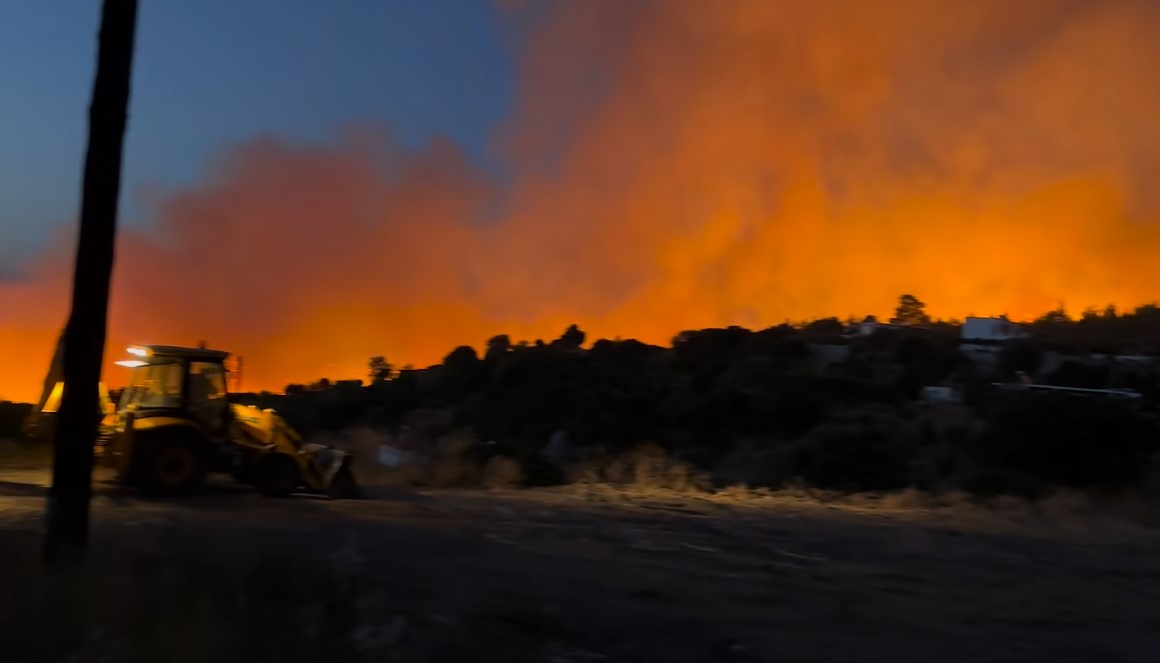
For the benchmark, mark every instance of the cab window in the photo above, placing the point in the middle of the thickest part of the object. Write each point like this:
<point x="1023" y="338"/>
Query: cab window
<point x="207" y="381"/>
<point x="155" y="385"/>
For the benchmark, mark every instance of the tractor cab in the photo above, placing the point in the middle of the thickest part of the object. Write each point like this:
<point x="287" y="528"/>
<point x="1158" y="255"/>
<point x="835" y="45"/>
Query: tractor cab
<point x="171" y="424"/>
<point x="171" y="381"/>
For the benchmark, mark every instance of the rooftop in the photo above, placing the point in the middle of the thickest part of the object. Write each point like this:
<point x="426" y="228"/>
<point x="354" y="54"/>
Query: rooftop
<point x="147" y="351"/>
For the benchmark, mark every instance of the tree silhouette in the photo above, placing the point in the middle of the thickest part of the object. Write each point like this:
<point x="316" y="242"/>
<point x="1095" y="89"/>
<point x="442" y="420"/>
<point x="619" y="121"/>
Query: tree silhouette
<point x="462" y="371"/>
<point x="462" y="358"/>
<point x="911" y="311"/>
<point x="67" y="509"/>
<point x="572" y="338"/>
<point x="824" y="328"/>
<point x="498" y="346"/>
<point x="1056" y="316"/>
<point x="380" y="369"/>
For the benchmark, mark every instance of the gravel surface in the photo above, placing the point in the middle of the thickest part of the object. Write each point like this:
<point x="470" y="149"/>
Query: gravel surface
<point x="597" y="574"/>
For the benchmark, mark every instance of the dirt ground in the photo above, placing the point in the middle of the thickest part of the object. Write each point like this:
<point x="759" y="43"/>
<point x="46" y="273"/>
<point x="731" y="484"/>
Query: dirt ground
<point x="597" y="574"/>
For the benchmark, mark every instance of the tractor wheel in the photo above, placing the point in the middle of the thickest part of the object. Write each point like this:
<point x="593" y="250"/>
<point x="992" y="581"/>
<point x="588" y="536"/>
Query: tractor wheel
<point x="276" y="475"/>
<point x="171" y="464"/>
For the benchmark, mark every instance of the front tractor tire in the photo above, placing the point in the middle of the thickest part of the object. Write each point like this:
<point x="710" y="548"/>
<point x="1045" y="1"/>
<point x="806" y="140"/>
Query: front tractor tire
<point x="171" y="463"/>
<point x="276" y="475"/>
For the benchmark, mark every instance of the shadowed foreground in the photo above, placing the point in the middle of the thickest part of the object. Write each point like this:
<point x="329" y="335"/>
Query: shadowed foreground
<point x="585" y="574"/>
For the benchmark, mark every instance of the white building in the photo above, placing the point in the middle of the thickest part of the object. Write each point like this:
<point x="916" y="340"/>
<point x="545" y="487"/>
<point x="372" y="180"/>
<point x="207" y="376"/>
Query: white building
<point x="976" y="330"/>
<point x="941" y="394"/>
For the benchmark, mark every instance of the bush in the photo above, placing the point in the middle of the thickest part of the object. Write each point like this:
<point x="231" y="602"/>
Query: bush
<point x="865" y="451"/>
<point x="646" y="466"/>
<point x="502" y="472"/>
<point x="990" y="482"/>
<point x="454" y="464"/>
<point x="12" y="417"/>
<point x="1071" y="441"/>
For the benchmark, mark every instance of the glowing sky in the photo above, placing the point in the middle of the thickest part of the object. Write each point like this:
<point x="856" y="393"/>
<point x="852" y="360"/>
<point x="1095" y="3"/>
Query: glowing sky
<point x="400" y="187"/>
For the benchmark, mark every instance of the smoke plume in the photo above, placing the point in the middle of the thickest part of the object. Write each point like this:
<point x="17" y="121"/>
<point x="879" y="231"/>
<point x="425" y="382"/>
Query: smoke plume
<point x="671" y="165"/>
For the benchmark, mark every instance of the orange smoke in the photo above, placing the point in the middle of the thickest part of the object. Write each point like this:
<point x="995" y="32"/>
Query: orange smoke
<point x="674" y="164"/>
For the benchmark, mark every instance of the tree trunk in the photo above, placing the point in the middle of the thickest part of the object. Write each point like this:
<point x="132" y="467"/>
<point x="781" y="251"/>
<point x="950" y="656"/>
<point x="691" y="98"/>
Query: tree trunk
<point x="67" y="510"/>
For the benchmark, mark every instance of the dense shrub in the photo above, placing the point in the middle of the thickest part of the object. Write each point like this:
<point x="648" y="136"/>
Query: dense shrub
<point x="1073" y="373"/>
<point x="1019" y="356"/>
<point x="994" y="482"/>
<point x="869" y="450"/>
<point x="714" y="387"/>
<point x="1068" y="440"/>
<point x="12" y="417"/>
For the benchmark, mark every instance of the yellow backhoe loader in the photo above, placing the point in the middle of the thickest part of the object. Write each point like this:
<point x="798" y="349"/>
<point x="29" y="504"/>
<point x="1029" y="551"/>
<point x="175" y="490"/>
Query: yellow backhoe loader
<point x="175" y="423"/>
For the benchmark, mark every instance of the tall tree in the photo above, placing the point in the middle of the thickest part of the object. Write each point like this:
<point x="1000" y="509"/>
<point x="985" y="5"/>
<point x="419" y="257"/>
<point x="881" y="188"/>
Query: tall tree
<point x="67" y="509"/>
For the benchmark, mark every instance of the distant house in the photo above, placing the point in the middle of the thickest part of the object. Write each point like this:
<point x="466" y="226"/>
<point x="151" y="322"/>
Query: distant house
<point x="867" y="327"/>
<point x="990" y="330"/>
<point x="1117" y="365"/>
<point x="1129" y="394"/>
<point x="828" y="354"/>
<point x="933" y="394"/>
<point x="1126" y="360"/>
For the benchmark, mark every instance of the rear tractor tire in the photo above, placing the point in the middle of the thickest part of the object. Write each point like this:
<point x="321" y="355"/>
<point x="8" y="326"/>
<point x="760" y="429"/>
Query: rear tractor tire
<point x="276" y="475"/>
<point x="172" y="464"/>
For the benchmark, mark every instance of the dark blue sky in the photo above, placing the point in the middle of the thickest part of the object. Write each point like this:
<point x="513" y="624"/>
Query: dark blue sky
<point x="209" y="73"/>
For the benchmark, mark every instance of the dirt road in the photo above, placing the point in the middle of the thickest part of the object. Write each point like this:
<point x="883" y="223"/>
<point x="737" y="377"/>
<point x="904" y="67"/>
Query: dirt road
<point x="594" y="574"/>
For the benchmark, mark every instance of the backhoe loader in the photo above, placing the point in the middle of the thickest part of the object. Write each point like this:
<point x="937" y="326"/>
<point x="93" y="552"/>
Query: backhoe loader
<point x="175" y="423"/>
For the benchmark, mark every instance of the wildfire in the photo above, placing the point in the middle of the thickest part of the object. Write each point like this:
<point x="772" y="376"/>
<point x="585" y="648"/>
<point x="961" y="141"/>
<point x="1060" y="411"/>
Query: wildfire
<point x="733" y="163"/>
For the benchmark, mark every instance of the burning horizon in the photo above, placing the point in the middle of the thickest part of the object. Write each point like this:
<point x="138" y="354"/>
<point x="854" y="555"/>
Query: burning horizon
<point x="670" y="165"/>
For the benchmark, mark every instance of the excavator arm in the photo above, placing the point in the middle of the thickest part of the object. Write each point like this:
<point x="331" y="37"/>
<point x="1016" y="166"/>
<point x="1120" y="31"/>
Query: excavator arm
<point x="39" y="423"/>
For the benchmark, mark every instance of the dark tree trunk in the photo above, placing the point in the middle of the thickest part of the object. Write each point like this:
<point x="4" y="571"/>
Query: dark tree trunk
<point x="67" y="513"/>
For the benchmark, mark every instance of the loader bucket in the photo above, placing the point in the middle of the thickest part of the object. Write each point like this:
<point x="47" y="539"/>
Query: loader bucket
<point x="333" y="466"/>
<point x="343" y="485"/>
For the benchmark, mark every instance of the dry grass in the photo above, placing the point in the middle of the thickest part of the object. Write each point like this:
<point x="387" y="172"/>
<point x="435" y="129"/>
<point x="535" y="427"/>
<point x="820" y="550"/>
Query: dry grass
<point x="651" y="571"/>
<point x="646" y="467"/>
<point x="446" y="462"/>
<point x="1070" y="509"/>
<point x="502" y="473"/>
<point x="648" y="471"/>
